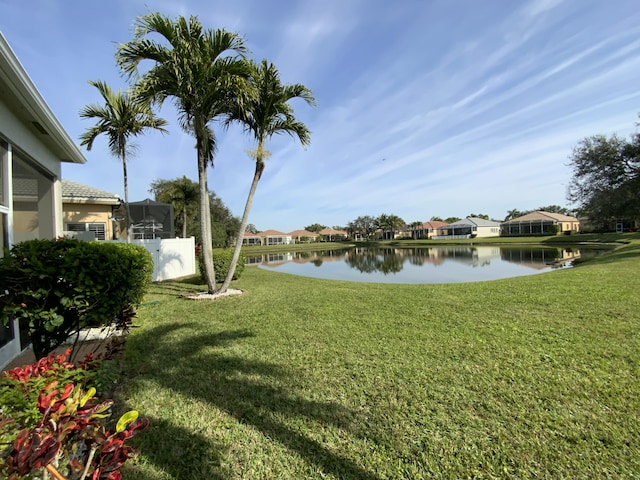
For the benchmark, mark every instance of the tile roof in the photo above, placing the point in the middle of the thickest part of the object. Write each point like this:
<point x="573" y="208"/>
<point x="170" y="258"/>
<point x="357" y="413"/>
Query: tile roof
<point x="478" y="222"/>
<point x="433" y="224"/>
<point x="542" y="215"/>
<point x="272" y="233"/>
<point x="332" y="231"/>
<point x="303" y="233"/>
<point x="74" y="190"/>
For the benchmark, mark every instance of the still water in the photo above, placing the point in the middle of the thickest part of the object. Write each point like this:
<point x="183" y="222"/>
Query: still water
<point x="422" y="265"/>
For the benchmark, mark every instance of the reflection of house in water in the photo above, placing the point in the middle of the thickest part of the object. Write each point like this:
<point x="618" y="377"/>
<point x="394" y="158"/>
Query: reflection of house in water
<point x="280" y="258"/>
<point x="474" y="256"/>
<point x="538" y="258"/>
<point x="275" y="259"/>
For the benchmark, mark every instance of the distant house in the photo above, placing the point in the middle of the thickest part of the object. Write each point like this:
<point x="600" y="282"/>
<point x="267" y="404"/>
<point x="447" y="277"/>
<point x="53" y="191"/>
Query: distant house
<point x="251" y="239"/>
<point x="274" y="237"/>
<point x="91" y="213"/>
<point x="333" y="235"/>
<point x="33" y="145"/>
<point x="470" y="227"/>
<point x="303" y="236"/>
<point x="427" y="230"/>
<point x="540" y="223"/>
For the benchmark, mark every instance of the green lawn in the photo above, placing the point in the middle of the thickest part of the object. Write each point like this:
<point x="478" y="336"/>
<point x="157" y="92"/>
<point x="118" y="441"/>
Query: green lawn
<point x="531" y="377"/>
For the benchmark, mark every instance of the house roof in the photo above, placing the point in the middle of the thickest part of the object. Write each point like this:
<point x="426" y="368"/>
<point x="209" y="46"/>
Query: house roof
<point x="303" y="233"/>
<point x="542" y="215"/>
<point x="74" y="192"/>
<point x="272" y="233"/>
<point x="332" y="231"/>
<point x="20" y="94"/>
<point x="433" y="224"/>
<point x="474" y="221"/>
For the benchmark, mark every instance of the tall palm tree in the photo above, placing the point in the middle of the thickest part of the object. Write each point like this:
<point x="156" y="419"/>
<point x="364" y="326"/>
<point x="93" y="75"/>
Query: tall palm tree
<point x="120" y="118"/>
<point x="203" y="71"/>
<point x="265" y="114"/>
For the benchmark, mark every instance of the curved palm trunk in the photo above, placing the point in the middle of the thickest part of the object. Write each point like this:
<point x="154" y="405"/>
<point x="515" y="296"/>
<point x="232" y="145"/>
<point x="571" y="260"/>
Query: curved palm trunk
<point x="205" y="219"/>
<point x="243" y="223"/>
<point x="126" y="198"/>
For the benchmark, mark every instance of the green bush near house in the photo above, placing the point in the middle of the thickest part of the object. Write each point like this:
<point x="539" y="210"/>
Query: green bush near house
<point x="221" y="263"/>
<point x="61" y="286"/>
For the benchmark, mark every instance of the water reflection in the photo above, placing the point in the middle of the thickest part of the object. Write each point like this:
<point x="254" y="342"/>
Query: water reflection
<point x="411" y="265"/>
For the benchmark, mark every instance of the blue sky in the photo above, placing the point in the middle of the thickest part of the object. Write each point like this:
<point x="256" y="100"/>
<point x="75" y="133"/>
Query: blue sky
<point x="425" y="107"/>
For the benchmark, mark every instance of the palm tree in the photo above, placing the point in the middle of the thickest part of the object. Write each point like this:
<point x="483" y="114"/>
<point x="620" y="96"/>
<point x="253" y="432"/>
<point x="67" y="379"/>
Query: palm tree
<point x="193" y="66"/>
<point x="264" y="115"/>
<point x="120" y="118"/>
<point x="182" y="193"/>
<point x="513" y="213"/>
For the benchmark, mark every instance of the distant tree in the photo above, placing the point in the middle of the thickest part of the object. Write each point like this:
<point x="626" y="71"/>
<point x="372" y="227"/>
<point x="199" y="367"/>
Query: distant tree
<point x="478" y="215"/>
<point x="315" y="227"/>
<point x="183" y="194"/>
<point x="511" y="214"/>
<point x="389" y="223"/>
<point x="451" y="219"/>
<point x="606" y="178"/>
<point x="416" y="224"/>
<point x="120" y="118"/>
<point x="556" y="209"/>
<point x="224" y="225"/>
<point x="363" y="225"/>
<point x="338" y="227"/>
<point x="436" y="219"/>
<point x="251" y="228"/>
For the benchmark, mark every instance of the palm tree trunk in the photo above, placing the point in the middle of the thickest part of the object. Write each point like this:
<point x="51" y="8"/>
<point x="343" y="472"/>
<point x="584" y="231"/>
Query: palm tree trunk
<point x="126" y="197"/>
<point x="205" y="219"/>
<point x="184" y="222"/>
<point x="243" y="223"/>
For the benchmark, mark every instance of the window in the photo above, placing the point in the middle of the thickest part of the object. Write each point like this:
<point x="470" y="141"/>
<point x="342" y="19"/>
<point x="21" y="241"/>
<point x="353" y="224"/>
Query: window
<point x="98" y="229"/>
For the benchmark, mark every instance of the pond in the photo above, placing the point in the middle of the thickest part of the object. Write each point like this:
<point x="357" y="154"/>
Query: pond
<point x="445" y="264"/>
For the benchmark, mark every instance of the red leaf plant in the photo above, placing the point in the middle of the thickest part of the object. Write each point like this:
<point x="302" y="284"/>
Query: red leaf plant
<point x="70" y="438"/>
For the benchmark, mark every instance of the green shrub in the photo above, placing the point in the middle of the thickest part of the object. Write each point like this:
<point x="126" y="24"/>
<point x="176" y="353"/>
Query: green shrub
<point x="59" y="287"/>
<point x="221" y="263"/>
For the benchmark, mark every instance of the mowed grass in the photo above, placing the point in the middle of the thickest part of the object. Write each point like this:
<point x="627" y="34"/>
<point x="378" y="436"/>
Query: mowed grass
<point x="298" y="378"/>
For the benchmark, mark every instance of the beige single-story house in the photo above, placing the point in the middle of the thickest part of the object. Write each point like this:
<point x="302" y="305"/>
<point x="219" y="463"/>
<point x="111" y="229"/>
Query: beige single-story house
<point x="251" y="239"/>
<point x="540" y="223"/>
<point x="333" y="235"/>
<point x="303" y="236"/>
<point x="33" y="145"/>
<point x="274" y="237"/>
<point x="92" y="213"/>
<point x="427" y="230"/>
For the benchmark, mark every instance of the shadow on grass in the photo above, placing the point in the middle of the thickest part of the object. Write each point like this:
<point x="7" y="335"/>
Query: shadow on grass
<point x="253" y="392"/>
<point x="176" y="288"/>
<point x="177" y="451"/>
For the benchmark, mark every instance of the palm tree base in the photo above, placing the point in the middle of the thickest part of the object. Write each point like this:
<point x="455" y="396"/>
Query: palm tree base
<point x="230" y="292"/>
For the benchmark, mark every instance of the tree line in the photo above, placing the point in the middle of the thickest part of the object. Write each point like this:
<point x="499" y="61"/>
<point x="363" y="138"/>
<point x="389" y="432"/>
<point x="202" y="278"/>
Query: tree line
<point x="606" y="179"/>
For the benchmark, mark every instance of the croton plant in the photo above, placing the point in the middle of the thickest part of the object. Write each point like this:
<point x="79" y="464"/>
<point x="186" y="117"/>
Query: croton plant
<point x="52" y="421"/>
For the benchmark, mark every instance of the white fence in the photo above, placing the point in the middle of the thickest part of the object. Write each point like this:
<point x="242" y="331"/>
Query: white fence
<point x="172" y="257"/>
